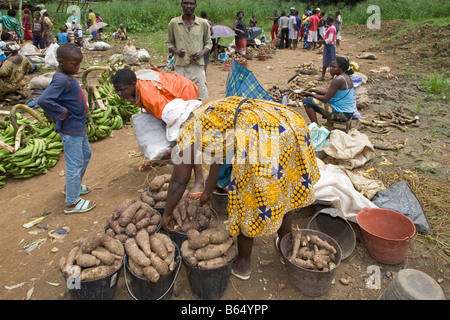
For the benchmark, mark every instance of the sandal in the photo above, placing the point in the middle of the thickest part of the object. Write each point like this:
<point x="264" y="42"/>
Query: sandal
<point x="84" y="190"/>
<point x="194" y="195"/>
<point x="148" y="165"/>
<point x="241" y="276"/>
<point x="81" y="207"/>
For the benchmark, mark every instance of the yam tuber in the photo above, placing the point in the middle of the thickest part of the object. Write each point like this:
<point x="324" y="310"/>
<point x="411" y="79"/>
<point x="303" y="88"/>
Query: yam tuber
<point x="313" y="239"/>
<point x="116" y="227"/>
<point x="231" y="253"/>
<point x="168" y="243"/>
<point x="306" y="264"/>
<point x="90" y="243"/>
<point x="199" y="241"/>
<point x="218" y="236"/>
<point x="177" y="216"/>
<point x="104" y="255"/>
<point x="113" y="245"/>
<point x="86" y="260"/>
<point x="158" y="246"/>
<point x="296" y="238"/>
<point x="131" y="230"/>
<point x="159" y="264"/>
<point x="194" y="224"/>
<point x="72" y="256"/>
<point x="155" y="219"/>
<point x="143" y="241"/>
<point x="96" y="272"/>
<point x="188" y="254"/>
<point x="123" y="205"/>
<point x="127" y="215"/>
<point x="192" y="209"/>
<point x="151" y="228"/>
<point x="146" y="198"/>
<point x="213" y="250"/>
<point x="136" y="253"/>
<point x="140" y="214"/>
<point x="212" y="263"/>
<point x="135" y="268"/>
<point x="151" y="274"/>
<point x="144" y="223"/>
<point x="160" y="204"/>
<point x="158" y="182"/>
<point x="160" y="196"/>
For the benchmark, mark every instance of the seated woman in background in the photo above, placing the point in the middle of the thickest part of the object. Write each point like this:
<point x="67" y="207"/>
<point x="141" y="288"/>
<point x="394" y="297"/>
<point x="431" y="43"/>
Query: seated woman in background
<point x="121" y="33"/>
<point x="338" y="99"/>
<point x="13" y="71"/>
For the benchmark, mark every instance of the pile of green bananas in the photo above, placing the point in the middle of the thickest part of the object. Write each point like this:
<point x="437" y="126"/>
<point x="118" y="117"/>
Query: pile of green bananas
<point x="125" y="108"/>
<point x="101" y="123"/>
<point x="35" y="157"/>
<point x="28" y="156"/>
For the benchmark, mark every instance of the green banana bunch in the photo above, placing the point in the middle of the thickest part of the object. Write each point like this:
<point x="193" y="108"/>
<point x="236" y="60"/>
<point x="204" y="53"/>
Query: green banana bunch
<point x="36" y="157"/>
<point x="125" y="108"/>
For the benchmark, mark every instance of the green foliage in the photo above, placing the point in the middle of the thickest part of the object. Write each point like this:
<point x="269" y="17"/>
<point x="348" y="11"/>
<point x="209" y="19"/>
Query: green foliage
<point x="436" y="83"/>
<point x="152" y="17"/>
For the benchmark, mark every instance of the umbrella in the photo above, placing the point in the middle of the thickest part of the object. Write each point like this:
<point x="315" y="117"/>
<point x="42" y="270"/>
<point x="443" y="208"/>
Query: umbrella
<point x="241" y="82"/>
<point x="253" y="32"/>
<point x="96" y="26"/>
<point x="220" y="31"/>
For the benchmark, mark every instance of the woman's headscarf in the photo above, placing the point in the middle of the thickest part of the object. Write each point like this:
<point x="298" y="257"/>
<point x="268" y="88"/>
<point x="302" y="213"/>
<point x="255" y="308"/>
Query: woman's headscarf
<point x="26" y="10"/>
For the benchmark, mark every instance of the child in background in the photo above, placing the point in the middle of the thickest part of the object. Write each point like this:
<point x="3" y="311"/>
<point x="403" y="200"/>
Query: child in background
<point x="38" y="31"/>
<point x="329" y="50"/>
<point x="65" y="103"/>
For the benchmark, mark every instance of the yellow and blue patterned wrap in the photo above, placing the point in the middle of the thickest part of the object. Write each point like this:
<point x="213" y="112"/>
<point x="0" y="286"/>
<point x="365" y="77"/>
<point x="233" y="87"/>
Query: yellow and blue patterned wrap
<point x="274" y="164"/>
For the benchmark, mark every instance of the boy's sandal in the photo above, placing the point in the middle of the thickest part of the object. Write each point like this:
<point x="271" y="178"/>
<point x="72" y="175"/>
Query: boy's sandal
<point x="84" y="190"/>
<point x="82" y="206"/>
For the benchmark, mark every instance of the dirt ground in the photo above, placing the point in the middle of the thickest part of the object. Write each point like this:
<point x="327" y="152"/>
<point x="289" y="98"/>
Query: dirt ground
<point x="114" y="176"/>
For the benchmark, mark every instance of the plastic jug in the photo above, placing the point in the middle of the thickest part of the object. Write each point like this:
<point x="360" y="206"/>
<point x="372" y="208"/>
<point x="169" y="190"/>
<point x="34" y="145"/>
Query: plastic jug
<point x="284" y="101"/>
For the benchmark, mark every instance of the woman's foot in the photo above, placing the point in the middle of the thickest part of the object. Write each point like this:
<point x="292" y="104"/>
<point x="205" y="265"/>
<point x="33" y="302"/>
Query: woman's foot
<point x="241" y="270"/>
<point x="196" y="191"/>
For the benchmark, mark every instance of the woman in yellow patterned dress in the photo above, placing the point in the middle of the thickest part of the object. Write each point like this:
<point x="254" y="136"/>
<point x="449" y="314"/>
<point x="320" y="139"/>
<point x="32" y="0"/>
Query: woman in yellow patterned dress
<point x="273" y="167"/>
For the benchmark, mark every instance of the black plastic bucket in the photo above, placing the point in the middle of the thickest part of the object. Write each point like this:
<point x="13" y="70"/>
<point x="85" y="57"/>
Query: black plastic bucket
<point x="332" y="222"/>
<point x="313" y="283"/>
<point x="219" y="202"/>
<point x="97" y="289"/>
<point x="143" y="289"/>
<point x="208" y="284"/>
<point x="410" y="284"/>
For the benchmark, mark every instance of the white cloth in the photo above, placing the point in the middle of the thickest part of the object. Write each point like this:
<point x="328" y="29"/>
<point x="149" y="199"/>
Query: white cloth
<point x="350" y="150"/>
<point x="175" y="113"/>
<point x="335" y="186"/>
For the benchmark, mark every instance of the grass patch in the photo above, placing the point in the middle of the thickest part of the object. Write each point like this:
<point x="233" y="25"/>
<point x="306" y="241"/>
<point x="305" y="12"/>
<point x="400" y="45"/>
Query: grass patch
<point x="436" y="84"/>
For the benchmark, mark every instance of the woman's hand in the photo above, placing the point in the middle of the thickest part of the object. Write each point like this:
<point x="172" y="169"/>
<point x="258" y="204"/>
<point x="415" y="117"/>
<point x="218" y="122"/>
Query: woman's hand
<point x="166" y="223"/>
<point x="306" y="94"/>
<point x="205" y="197"/>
